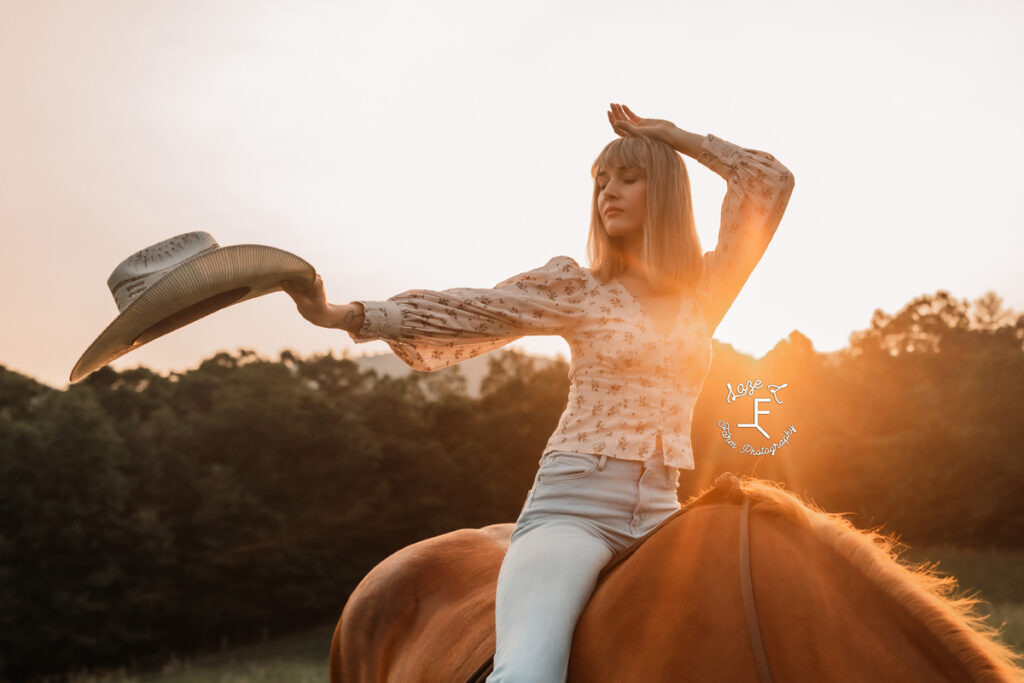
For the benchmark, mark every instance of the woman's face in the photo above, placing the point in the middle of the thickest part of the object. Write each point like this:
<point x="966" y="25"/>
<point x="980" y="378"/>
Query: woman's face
<point x="622" y="200"/>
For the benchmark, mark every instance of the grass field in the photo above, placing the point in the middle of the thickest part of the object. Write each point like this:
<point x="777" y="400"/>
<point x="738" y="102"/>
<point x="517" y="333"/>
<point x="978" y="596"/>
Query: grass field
<point x="997" y="576"/>
<point x="300" y="658"/>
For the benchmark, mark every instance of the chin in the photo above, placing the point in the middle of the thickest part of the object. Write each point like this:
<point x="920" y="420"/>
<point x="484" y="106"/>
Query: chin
<point x="622" y="234"/>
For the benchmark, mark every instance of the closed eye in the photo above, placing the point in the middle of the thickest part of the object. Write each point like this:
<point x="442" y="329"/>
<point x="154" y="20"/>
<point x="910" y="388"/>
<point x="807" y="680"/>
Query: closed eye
<point x="629" y="181"/>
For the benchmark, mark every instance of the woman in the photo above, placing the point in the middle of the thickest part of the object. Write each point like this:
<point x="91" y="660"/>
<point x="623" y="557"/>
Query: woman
<point x="639" y="323"/>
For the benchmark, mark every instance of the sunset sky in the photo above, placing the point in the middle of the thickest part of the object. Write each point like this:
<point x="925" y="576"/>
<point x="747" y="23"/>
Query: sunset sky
<point x="400" y="145"/>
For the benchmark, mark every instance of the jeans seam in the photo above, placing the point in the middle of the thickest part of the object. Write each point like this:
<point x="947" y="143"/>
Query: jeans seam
<point x="639" y="500"/>
<point x="554" y="480"/>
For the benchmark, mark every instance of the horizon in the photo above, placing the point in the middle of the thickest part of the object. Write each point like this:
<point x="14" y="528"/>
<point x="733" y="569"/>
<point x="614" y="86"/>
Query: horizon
<point x="308" y="128"/>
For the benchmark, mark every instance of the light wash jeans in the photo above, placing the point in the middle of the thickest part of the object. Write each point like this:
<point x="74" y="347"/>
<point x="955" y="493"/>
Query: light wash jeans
<point x="582" y="511"/>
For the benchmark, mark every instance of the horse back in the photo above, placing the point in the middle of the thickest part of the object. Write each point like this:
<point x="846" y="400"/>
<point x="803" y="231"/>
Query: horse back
<point x="424" y="613"/>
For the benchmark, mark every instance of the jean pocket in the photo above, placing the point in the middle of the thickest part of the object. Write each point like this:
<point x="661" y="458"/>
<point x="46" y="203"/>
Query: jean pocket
<point x="565" y="465"/>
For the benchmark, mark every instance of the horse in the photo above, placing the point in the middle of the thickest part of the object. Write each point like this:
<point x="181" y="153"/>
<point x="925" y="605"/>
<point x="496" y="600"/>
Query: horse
<point x="825" y="602"/>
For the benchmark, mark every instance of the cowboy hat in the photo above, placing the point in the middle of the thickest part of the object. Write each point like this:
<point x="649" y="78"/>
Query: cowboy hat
<point x="180" y="280"/>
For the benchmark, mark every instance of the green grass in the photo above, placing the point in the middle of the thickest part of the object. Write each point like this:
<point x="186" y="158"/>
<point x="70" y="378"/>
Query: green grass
<point x="299" y="658"/>
<point x="994" y="576"/>
<point x="998" y="574"/>
<point x="1008" y="617"/>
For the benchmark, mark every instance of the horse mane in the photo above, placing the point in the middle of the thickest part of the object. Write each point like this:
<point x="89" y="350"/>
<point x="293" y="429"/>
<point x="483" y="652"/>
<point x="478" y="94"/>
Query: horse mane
<point x="929" y="596"/>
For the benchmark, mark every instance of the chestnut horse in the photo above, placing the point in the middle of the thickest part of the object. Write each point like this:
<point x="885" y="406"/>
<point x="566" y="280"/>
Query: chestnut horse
<point x="832" y="603"/>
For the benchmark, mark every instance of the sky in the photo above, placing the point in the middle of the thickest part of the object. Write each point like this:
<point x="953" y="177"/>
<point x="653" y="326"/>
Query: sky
<point x="400" y="145"/>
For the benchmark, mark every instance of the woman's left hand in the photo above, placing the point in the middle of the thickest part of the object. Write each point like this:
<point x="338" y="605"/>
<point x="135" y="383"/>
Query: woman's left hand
<point x="625" y="122"/>
<point x="311" y="301"/>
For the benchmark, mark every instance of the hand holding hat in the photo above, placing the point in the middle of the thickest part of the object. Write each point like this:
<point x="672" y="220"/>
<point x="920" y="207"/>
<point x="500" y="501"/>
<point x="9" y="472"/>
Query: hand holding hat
<point x="180" y="280"/>
<point x="312" y="302"/>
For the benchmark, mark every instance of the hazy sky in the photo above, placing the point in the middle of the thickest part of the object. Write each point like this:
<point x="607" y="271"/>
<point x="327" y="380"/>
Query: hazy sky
<point x="400" y="145"/>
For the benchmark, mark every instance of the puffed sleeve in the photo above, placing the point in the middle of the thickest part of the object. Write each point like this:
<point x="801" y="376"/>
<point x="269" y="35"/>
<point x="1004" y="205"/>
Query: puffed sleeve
<point x="758" y="190"/>
<point x="430" y="330"/>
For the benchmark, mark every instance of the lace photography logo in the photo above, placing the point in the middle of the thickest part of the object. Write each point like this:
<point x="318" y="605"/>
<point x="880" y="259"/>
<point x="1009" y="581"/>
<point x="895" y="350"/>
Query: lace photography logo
<point x="748" y="399"/>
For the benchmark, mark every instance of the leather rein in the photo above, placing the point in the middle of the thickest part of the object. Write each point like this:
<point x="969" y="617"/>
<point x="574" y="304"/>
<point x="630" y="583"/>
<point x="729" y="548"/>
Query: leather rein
<point x="764" y="673"/>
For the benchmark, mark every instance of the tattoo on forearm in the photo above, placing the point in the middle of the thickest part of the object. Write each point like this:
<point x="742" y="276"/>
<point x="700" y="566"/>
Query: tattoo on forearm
<point x="350" y="318"/>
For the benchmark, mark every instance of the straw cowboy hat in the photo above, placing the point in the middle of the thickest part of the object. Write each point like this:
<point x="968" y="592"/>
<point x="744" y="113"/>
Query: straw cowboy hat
<point x="180" y="280"/>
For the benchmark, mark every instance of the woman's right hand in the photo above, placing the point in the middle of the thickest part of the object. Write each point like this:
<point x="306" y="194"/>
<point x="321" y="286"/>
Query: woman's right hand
<point x="312" y="302"/>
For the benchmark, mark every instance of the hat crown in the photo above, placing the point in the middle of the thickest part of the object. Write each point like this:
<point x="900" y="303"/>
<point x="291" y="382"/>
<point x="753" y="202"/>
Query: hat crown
<point x="141" y="270"/>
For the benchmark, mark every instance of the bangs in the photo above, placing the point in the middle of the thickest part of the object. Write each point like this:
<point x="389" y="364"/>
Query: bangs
<point x="671" y="249"/>
<point x="628" y="152"/>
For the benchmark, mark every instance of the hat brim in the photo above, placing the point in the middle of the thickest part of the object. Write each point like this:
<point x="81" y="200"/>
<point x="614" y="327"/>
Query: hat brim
<point x="202" y="285"/>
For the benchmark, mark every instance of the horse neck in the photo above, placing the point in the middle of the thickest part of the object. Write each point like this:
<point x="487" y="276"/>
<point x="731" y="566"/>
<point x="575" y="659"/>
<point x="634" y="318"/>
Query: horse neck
<point x="823" y="612"/>
<point x="679" y="596"/>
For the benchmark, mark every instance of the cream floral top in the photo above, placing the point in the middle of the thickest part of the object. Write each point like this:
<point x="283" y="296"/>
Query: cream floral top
<point x="629" y="384"/>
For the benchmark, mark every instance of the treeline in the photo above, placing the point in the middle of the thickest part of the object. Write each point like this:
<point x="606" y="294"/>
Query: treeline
<point x="142" y="514"/>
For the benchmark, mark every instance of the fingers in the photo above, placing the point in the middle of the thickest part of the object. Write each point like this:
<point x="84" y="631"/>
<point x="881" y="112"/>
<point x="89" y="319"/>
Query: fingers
<point x="626" y="114"/>
<point x="622" y="119"/>
<point x="296" y="288"/>
<point x="616" y="119"/>
<point x="619" y="122"/>
<point x="621" y="112"/>
<point x="615" y="125"/>
<point x="293" y="286"/>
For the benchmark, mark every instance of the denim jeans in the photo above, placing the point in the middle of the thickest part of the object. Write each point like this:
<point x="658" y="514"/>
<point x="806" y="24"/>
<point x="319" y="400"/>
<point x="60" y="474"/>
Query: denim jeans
<point x="582" y="511"/>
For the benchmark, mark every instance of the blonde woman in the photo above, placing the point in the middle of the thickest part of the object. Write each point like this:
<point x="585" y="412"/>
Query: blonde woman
<point x="639" y="323"/>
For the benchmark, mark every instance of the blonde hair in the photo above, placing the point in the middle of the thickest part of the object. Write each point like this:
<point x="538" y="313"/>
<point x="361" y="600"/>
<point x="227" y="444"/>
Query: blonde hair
<point x="671" y="252"/>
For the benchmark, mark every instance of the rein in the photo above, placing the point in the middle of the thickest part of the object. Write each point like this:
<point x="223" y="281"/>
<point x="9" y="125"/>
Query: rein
<point x="753" y="623"/>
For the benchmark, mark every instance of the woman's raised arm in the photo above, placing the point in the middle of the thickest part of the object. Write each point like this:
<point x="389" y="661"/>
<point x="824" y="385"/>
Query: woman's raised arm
<point x="759" y="188"/>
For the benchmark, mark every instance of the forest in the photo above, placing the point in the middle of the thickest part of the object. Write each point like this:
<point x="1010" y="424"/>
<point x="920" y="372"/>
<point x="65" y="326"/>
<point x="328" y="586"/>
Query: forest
<point x="143" y="513"/>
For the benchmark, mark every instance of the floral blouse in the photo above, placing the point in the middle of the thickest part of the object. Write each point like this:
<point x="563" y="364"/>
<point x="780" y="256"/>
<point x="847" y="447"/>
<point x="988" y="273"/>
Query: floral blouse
<point x="631" y="387"/>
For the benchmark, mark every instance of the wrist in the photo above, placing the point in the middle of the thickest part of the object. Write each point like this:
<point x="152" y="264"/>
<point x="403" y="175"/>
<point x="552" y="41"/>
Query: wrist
<point x="685" y="142"/>
<point x="348" y="317"/>
<point x="335" y="316"/>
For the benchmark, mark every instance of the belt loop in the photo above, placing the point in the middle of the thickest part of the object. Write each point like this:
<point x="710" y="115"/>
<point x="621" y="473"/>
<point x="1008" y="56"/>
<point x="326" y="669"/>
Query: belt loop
<point x="600" y="465"/>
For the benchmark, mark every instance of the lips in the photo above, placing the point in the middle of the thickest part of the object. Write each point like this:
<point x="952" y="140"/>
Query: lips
<point x="610" y="212"/>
